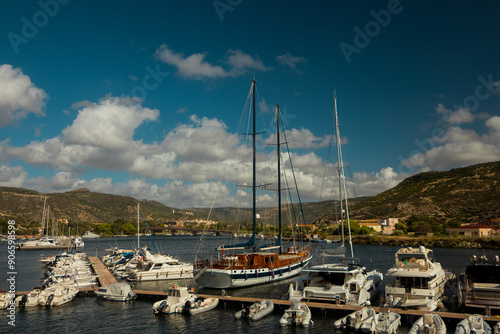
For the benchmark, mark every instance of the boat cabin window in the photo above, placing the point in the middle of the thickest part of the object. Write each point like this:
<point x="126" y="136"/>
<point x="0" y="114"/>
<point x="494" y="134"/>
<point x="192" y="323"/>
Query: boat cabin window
<point x="157" y="266"/>
<point x="414" y="282"/>
<point x="483" y="274"/>
<point x="337" y="279"/>
<point x="352" y="287"/>
<point x="174" y="293"/>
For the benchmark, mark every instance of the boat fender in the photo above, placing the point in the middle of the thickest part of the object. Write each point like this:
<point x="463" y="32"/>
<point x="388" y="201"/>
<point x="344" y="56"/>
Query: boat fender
<point x="130" y="295"/>
<point x="256" y="273"/>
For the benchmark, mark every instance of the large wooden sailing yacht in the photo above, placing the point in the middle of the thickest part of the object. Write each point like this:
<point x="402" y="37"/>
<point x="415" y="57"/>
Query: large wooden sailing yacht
<point x="252" y="266"/>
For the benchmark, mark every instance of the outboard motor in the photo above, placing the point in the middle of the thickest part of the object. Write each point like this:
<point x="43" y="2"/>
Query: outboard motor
<point x="161" y="307"/>
<point x="49" y="300"/>
<point x="348" y="321"/>
<point x="294" y="318"/>
<point x="24" y="299"/>
<point x="187" y="306"/>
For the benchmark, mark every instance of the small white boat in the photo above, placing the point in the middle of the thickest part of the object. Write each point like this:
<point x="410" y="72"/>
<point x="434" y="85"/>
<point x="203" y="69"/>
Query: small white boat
<point x="428" y="323"/>
<point x="117" y="292"/>
<point x="32" y="299"/>
<point x="57" y="295"/>
<point x="473" y="324"/>
<point x="382" y="323"/>
<point x="201" y="305"/>
<point x="298" y="314"/>
<point x="5" y="299"/>
<point x="356" y="319"/>
<point x="177" y="298"/>
<point x="89" y="235"/>
<point x="79" y="242"/>
<point x="256" y="311"/>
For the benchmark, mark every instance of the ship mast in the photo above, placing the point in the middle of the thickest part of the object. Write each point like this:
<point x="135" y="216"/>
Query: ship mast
<point x="342" y="185"/>
<point x="278" y="242"/>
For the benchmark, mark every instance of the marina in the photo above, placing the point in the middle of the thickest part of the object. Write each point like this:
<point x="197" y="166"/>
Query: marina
<point x="323" y="313"/>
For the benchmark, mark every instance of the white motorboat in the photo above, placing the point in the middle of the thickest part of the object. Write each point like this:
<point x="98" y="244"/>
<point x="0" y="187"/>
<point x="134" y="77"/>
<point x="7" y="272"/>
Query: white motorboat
<point x="345" y="280"/>
<point x="5" y="299"/>
<point x="117" y="292"/>
<point x="201" y="305"/>
<point x="90" y="235"/>
<point x="428" y="324"/>
<point x="57" y="295"/>
<point x="177" y="298"/>
<point x="382" y="323"/>
<point x="354" y="320"/>
<point x="32" y="299"/>
<point x="298" y="314"/>
<point x="419" y="280"/>
<point x="159" y="267"/>
<point x="479" y="283"/>
<point x="473" y="324"/>
<point x="256" y="311"/>
<point x="78" y="241"/>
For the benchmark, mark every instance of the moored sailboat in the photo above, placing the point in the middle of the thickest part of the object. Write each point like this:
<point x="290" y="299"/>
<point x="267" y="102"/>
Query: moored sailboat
<point x="257" y="266"/>
<point x="344" y="280"/>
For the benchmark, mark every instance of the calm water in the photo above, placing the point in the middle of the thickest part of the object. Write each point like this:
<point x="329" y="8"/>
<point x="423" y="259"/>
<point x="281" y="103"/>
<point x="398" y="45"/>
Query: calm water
<point x="89" y="315"/>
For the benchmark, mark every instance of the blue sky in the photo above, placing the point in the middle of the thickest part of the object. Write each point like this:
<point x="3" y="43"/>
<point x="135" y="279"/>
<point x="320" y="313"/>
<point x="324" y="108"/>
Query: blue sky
<point x="144" y="98"/>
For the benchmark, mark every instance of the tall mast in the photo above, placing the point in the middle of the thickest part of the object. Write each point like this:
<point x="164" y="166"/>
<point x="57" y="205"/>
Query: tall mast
<point x="43" y="217"/>
<point x="342" y="185"/>
<point x="138" y="234"/>
<point x="279" y="174"/>
<point x="254" y="184"/>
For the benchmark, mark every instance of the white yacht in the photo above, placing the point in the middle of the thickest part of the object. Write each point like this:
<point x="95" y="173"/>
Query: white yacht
<point x="345" y="280"/>
<point x="159" y="267"/>
<point x="420" y="280"/>
<point x="90" y="234"/>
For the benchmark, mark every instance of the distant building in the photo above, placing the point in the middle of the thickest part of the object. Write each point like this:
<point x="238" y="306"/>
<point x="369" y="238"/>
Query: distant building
<point x="63" y="221"/>
<point x="474" y="230"/>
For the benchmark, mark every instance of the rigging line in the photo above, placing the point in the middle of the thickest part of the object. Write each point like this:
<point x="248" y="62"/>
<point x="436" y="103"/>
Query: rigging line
<point x="327" y="162"/>
<point x="353" y="185"/>
<point x="150" y="237"/>
<point x="293" y="173"/>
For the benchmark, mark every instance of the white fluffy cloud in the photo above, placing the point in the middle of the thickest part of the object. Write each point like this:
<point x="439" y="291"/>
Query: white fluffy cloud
<point x="195" y="66"/>
<point x="302" y="139"/>
<point x="368" y="184"/>
<point x="459" y="147"/>
<point x="462" y="115"/>
<point x="110" y="123"/>
<point x="18" y="96"/>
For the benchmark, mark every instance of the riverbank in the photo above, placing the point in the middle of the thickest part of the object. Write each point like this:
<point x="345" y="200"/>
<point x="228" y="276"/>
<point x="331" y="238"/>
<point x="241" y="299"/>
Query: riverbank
<point x="445" y="242"/>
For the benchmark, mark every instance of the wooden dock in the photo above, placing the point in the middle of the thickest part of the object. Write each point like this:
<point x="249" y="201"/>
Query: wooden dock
<point x="105" y="277"/>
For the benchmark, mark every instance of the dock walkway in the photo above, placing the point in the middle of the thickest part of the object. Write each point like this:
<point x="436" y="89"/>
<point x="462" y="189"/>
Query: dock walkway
<point x="105" y="277"/>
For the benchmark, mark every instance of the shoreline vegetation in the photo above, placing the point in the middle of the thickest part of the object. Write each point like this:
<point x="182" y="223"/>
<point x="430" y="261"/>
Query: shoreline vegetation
<point x="431" y="242"/>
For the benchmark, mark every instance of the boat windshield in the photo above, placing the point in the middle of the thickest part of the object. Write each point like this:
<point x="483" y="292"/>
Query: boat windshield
<point x="402" y="257"/>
